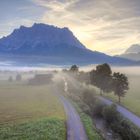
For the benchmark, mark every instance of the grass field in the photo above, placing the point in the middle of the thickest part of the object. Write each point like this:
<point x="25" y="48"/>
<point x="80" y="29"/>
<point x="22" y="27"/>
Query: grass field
<point x="30" y="113"/>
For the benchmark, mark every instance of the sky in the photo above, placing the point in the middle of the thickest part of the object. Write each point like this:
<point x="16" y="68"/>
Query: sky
<point x="109" y="26"/>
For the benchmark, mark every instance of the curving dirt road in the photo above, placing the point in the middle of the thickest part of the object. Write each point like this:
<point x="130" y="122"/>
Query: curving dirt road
<point x="126" y="113"/>
<point x="75" y="129"/>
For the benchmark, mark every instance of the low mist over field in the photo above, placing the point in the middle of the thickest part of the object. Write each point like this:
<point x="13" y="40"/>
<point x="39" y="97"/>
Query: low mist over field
<point x="69" y="69"/>
<point x="129" y="70"/>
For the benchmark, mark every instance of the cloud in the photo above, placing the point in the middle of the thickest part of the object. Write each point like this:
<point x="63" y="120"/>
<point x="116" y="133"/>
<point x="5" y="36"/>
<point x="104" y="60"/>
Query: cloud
<point x="104" y="25"/>
<point x="17" y="12"/>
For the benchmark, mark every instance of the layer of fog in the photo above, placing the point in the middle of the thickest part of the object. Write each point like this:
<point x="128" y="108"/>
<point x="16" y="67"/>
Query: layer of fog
<point x="128" y="70"/>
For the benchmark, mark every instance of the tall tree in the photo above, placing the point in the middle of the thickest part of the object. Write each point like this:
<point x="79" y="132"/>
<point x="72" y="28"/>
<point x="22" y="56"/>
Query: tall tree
<point x="101" y="77"/>
<point x="18" y="77"/>
<point x="10" y="79"/>
<point x="120" y="85"/>
<point x="74" y="68"/>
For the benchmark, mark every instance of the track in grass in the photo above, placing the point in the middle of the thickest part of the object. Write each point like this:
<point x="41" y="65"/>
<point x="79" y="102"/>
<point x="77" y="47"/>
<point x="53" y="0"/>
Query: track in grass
<point x="75" y="129"/>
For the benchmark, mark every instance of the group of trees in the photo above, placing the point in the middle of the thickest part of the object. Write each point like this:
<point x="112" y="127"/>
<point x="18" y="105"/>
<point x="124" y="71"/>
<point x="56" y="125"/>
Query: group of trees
<point x="17" y="78"/>
<point x="74" y="68"/>
<point x="103" y="78"/>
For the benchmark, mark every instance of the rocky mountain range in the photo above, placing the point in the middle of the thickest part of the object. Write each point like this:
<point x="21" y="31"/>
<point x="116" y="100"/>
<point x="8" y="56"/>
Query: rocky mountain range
<point x="42" y="43"/>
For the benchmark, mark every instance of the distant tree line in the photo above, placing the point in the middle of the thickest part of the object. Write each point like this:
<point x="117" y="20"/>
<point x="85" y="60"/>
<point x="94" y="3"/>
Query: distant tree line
<point x="18" y="78"/>
<point x="103" y="78"/>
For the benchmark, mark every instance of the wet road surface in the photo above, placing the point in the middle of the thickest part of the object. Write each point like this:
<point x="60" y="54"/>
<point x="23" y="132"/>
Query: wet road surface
<point x="75" y="129"/>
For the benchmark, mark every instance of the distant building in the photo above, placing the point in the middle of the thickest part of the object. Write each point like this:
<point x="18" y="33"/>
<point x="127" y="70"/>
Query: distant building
<point x="40" y="79"/>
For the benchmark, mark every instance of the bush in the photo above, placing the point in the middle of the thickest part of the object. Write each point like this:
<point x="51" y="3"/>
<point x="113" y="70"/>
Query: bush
<point x="10" y="79"/>
<point x="89" y="99"/>
<point x="98" y="108"/>
<point x="18" y="77"/>
<point x="119" y="124"/>
<point x="85" y="108"/>
<point x="126" y="129"/>
<point x="110" y="113"/>
<point x="116" y="121"/>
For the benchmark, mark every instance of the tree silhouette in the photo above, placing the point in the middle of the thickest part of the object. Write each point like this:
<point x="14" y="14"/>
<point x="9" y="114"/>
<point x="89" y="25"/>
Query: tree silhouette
<point x="18" y="77"/>
<point x="120" y="85"/>
<point x="74" y="68"/>
<point x="101" y="77"/>
<point x="10" y="79"/>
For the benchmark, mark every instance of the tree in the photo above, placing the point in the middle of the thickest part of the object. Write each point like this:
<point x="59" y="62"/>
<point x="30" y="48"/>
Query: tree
<point x="104" y="69"/>
<point x="64" y="70"/>
<point x="88" y="98"/>
<point x="120" y="85"/>
<point x="101" y="77"/>
<point x="18" y="77"/>
<point x="83" y="77"/>
<point x="74" y="68"/>
<point x="10" y="79"/>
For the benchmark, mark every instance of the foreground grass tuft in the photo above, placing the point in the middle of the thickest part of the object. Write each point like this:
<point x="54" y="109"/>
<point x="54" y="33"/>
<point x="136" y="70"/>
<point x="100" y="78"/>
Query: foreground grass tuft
<point x="44" y="129"/>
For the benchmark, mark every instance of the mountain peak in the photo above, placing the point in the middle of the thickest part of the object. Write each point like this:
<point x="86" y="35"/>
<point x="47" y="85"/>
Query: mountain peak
<point x="39" y="25"/>
<point x="132" y="53"/>
<point x="42" y="25"/>
<point x="39" y="36"/>
<point x="135" y="48"/>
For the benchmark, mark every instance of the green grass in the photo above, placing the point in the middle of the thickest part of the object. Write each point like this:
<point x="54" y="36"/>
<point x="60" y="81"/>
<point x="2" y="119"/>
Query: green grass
<point x="44" y="129"/>
<point x="30" y="113"/>
<point x="20" y="103"/>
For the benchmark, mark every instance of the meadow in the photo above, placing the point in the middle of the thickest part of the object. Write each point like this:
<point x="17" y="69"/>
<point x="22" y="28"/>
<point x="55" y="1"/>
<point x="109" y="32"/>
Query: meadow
<point x="30" y="113"/>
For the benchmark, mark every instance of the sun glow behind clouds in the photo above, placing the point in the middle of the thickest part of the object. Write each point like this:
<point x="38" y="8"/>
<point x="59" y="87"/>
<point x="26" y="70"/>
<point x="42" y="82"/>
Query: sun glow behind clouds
<point x="109" y="26"/>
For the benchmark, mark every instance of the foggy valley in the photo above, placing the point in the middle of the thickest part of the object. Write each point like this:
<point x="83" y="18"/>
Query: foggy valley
<point x="69" y="69"/>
